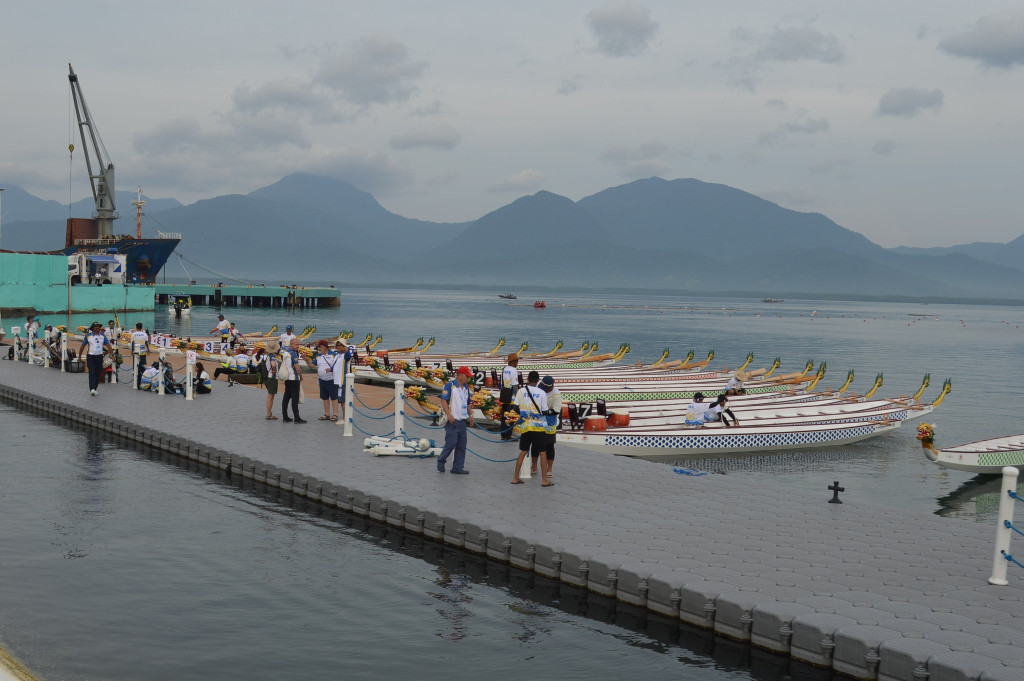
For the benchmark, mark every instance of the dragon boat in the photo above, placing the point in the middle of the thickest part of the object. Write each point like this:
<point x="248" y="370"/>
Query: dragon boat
<point x="983" y="456"/>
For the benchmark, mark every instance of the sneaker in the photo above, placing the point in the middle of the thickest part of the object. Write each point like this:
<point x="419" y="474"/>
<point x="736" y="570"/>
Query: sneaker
<point x="300" y="420"/>
<point x="440" y="467"/>
<point x="93" y="393"/>
<point x="286" y="419"/>
<point x="461" y="471"/>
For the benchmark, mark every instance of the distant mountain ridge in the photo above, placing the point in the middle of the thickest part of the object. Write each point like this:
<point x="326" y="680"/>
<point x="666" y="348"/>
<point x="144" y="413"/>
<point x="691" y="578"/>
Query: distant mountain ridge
<point x="680" y="234"/>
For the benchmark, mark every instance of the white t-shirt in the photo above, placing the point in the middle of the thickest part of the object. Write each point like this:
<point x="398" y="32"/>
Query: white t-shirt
<point x="714" y="412"/>
<point x="695" y="411"/>
<point x="509" y="377"/>
<point x="32" y="329"/>
<point x="139" y="340"/>
<point x="112" y="334"/>
<point x="734" y="384"/>
<point x="327" y="365"/>
<point x="286" y="338"/>
<point x="223" y="326"/>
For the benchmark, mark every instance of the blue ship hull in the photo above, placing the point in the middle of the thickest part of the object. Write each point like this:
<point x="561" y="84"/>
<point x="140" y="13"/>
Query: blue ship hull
<point x="145" y="257"/>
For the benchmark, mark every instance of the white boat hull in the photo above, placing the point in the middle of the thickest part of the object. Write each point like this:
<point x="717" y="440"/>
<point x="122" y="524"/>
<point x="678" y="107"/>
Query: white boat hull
<point x="986" y="456"/>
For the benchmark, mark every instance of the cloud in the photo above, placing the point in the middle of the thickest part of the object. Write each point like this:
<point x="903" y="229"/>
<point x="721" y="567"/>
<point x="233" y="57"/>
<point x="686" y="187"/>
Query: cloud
<point x="777" y="104"/>
<point x="371" y="171"/>
<point x="526" y="180"/>
<point x="376" y="70"/>
<point x="435" y="108"/>
<point x="437" y="137"/>
<point x="996" y="40"/>
<point x="800" y="44"/>
<point x="808" y="126"/>
<point x="239" y="134"/>
<point x="570" y="85"/>
<point x="645" y="160"/>
<point x="883" y="147"/>
<point x="831" y="164"/>
<point x="622" y="29"/>
<point x="286" y="94"/>
<point x="907" y="102"/>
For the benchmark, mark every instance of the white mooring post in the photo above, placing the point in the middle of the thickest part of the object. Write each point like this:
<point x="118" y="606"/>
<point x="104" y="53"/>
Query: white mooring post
<point x="350" y="384"/>
<point x="135" y="370"/>
<point x="31" y="347"/>
<point x="399" y="407"/>
<point x="1004" y="533"/>
<point x="190" y="364"/>
<point x="63" y="351"/>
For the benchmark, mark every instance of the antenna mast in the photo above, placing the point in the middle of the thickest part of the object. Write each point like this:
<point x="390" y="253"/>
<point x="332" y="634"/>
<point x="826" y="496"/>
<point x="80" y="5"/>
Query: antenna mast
<point x="138" y="203"/>
<point x="102" y="180"/>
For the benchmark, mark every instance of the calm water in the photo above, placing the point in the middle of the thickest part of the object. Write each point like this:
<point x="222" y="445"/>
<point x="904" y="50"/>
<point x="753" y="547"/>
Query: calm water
<point x="122" y="563"/>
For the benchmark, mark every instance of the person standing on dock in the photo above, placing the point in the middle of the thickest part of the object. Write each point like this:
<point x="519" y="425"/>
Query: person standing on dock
<point x="140" y="351"/>
<point x="532" y="403"/>
<point x="98" y="345"/>
<point x="326" y="363"/>
<point x="268" y="375"/>
<point x="234" y="335"/>
<point x="222" y="328"/>
<point x="341" y="377"/>
<point x="509" y="385"/>
<point x="287" y="336"/>
<point x="455" y="402"/>
<point x="291" y="371"/>
<point x="112" y="332"/>
<point x="553" y="414"/>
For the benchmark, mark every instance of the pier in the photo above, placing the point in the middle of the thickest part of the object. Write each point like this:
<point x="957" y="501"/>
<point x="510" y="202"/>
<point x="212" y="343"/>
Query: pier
<point x="250" y="296"/>
<point x="868" y="591"/>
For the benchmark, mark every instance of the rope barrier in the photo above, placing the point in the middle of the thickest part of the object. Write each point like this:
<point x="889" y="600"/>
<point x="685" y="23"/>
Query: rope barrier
<point x="689" y="471"/>
<point x="487" y="439"/>
<point x="356" y="395"/>
<point x="369" y="416"/>
<point x="1014" y="495"/>
<point x="423" y="425"/>
<point x="1010" y="558"/>
<point x="492" y="460"/>
<point x="1008" y="524"/>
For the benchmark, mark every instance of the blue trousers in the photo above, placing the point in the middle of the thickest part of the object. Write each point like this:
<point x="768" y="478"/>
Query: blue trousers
<point x="454" y="440"/>
<point x="94" y="363"/>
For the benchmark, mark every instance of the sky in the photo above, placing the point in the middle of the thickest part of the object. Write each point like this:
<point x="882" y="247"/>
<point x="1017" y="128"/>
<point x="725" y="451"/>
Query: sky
<point x="902" y="121"/>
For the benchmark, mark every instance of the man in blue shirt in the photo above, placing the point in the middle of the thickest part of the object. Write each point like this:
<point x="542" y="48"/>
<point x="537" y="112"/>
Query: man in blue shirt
<point x="98" y="345"/>
<point x="455" y="402"/>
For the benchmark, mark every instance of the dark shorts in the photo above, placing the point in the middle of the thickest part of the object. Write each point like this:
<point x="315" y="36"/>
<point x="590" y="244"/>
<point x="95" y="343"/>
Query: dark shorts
<point x="547" y="443"/>
<point x="271" y="384"/>
<point x="328" y="390"/>
<point x="527" y="440"/>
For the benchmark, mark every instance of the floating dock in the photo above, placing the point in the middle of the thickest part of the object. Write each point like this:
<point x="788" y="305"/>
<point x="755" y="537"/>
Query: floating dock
<point x="869" y="591"/>
<point x="250" y="296"/>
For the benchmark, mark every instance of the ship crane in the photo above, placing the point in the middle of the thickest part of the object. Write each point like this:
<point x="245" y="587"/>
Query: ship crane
<point x="138" y="203"/>
<point x="102" y="180"/>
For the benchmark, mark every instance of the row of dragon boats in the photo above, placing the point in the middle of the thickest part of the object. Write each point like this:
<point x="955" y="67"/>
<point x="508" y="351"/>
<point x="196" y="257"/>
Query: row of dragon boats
<point x="639" y="409"/>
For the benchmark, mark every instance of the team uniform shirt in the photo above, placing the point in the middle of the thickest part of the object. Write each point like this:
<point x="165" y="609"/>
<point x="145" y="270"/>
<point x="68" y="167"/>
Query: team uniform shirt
<point x="555" y="403"/>
<point x="457" y="397"/>
<point x="325" y="366"/>
<point x="96" y="342"/>
<point x="714" y="413"/>
<point x="112" y="334"/>
<point x="286" y="338"/>
<point x="203" y="379"/>
<point x="510" y="378"/>
<point x="695" y="414"/>
<point x="346" y="362"/>
<point x="292" y="358"/>
<point x="222" y="328"/>
<point x="241" y="362"/>
<point x="531" y="415"/>
<point x="148" y="376"/>
<point x="140" y="339"/>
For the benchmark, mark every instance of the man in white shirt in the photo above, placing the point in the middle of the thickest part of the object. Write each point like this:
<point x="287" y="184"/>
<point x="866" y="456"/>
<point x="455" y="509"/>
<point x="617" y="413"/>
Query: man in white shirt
<point x="98" y="345"/>
<point x="455" y="402"/>
<point x="222" y="328"/>
<point x="696" y="411"/>
<point x="509" y="385"/>
<point x="533" y="426"/>
<point x="140" y="350"/>
<point x="287" y="336"/>
<point x="112" y="332"/>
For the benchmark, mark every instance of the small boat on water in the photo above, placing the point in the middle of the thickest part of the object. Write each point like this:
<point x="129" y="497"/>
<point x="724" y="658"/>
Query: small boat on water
<point x="539" y="303"/>
<point x="181" y="306"/>
<point x="984" y="456"/>
<point x="507" y="296"/>
<point x="773" y="300"/>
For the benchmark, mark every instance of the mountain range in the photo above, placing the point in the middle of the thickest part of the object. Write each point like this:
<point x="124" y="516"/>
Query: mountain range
<point x="681" y="234"/>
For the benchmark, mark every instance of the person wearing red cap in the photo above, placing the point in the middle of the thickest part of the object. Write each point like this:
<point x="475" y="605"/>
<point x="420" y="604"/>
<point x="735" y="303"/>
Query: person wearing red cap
<point x="455" y="402"/>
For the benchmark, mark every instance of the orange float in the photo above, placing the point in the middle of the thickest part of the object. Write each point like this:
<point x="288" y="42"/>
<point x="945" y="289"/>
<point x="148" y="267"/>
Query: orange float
<point x="595" y="423"/>
<point x="618" y="419"/>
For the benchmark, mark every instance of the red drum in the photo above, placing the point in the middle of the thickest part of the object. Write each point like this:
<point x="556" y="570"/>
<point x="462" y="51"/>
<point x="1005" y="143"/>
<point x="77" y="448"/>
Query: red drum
<point x="618" y="419"/>
<point x="382" y="353"/>
<point x="488" y="382"/>
<point x="595" y="423"/>
<point x="565" y="412"/>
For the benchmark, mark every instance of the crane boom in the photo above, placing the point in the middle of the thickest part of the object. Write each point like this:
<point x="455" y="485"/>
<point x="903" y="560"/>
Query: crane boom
<point x="102" y="180"/>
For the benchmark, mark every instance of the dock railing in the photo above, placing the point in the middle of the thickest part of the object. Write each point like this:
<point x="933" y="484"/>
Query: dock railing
<point x="1004" y="532"/>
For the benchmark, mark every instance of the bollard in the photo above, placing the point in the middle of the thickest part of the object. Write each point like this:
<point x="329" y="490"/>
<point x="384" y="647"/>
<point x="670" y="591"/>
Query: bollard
<point x="1003" y="533"/>
<point x="63" y="352"/>
<point x="31" y="347"/>
<point x="399" y="407"/>
<point x="524" y="470"/>
<point x="350" y="385"/>
<point x="135" y="371"/>
<point x="188" y="382"/>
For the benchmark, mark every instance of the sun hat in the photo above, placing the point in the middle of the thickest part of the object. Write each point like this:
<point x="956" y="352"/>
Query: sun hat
<point x="464" y="371"/>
